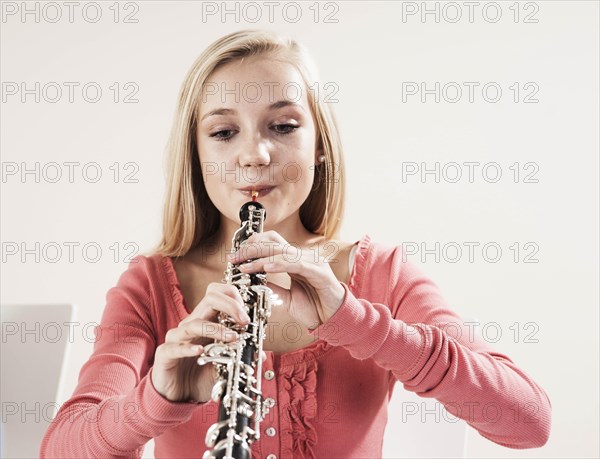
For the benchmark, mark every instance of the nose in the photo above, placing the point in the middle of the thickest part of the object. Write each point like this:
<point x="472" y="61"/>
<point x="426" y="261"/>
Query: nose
<point x="255" y="152"/>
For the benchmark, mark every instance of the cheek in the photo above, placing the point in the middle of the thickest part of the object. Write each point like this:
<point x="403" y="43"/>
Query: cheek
<point x="292" y="174"/>
<point x="216" y="168"/>
<point x="295" y="173"/>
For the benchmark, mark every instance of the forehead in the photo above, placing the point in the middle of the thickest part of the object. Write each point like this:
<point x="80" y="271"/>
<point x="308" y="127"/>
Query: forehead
<point x="256" y="81"/>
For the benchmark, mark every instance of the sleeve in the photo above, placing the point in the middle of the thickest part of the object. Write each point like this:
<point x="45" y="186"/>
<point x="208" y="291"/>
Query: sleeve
<point x="115" y="409"/>
<point x="427" y="347"/>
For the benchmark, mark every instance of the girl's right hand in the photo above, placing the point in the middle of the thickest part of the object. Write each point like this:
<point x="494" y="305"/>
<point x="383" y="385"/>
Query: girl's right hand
<point x="176" y="375"/>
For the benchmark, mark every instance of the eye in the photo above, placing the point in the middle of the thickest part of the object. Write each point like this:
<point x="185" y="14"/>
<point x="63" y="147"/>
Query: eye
<point x="225" y="135"/>
<point x="287" y="128"/>
<point x="222" y="138"/>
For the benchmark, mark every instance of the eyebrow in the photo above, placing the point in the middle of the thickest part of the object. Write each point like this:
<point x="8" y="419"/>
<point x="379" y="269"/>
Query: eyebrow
<point x="274" y="106"/>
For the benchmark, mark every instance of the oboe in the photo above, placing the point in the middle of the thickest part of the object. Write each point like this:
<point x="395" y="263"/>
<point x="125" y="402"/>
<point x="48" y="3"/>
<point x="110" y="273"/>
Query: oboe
<point x="239" y="364"/>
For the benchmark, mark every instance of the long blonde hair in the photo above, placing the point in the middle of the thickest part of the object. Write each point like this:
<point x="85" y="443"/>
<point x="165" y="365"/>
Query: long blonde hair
<point x="189" y="216"/>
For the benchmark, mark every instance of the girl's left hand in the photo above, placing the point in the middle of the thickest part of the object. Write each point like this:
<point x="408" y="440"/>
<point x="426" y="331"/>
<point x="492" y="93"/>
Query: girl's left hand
<point x="315" y="293"/>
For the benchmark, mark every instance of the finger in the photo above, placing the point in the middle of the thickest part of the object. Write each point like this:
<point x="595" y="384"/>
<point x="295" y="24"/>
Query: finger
<point x="270" y="235"/>
<point x="260" y="245"/>
<point x="282" y="263"/>
<point x="217" y="302"/>
<point x="225" y="289"/>
<point x="252" y="250"/>
<point x="229" y="306"/>
<point x="199" y="328"/>
<point x="172" y="351"/>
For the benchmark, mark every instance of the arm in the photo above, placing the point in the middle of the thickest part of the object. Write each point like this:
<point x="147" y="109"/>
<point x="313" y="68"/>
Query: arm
<point x="427" y="347"/>
<point x="115" y="409"/>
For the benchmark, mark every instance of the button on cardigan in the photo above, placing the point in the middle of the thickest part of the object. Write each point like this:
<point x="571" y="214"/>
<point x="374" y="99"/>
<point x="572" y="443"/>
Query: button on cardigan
<point x="329" y="399"/>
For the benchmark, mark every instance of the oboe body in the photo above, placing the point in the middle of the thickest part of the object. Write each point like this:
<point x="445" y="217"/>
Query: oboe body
<point x="239" y="364"/>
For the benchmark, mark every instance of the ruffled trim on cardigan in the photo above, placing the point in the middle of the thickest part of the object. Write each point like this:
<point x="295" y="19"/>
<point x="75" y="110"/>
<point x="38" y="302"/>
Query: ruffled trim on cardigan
<point x="355" y="282"/>
<point x="176" y="293"/>
<point x="299" y="402"/>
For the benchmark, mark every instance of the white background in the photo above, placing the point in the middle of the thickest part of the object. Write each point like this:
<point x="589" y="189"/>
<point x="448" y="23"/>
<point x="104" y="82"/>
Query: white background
<point x="368" y="54"/>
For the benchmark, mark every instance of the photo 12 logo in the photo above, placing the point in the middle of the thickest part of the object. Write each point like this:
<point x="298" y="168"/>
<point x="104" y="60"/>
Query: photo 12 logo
<point x="253" y="92"/>
<point x="69" y="172"/>
<point x="53" y="92"/>
<point x="68" y="252"/>
<point x="287" y="12"/>
<point x="452" y="92"/>
<point x="471" y="12"/>
<point x="70" y="12"/>
<point x="469" y="172"/>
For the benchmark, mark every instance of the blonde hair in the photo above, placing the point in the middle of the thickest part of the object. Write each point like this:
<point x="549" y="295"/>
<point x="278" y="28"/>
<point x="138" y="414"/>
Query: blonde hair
<point x="189" y="216"/>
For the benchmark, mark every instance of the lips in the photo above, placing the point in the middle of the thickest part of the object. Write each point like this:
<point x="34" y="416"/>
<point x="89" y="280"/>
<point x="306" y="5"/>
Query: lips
<point x="262" y="191"/>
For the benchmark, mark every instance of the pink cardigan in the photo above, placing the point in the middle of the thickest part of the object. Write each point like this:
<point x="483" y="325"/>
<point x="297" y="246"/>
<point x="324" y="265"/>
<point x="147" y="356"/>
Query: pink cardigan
<point x="330" y="398"/>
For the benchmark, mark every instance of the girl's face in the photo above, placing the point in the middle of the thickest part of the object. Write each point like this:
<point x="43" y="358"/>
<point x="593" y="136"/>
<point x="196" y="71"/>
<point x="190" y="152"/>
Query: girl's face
<point x="256" y="132"/>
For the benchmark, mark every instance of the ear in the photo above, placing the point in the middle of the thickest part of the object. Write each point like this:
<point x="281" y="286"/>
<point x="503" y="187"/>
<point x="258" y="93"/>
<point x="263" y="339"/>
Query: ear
<point x="319" y="150"/>
<point x="317" y="162"/>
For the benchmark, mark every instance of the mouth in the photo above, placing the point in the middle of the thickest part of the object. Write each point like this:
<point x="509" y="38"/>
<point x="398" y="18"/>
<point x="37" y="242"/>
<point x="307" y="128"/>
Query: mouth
<point x="261" y="191"/>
